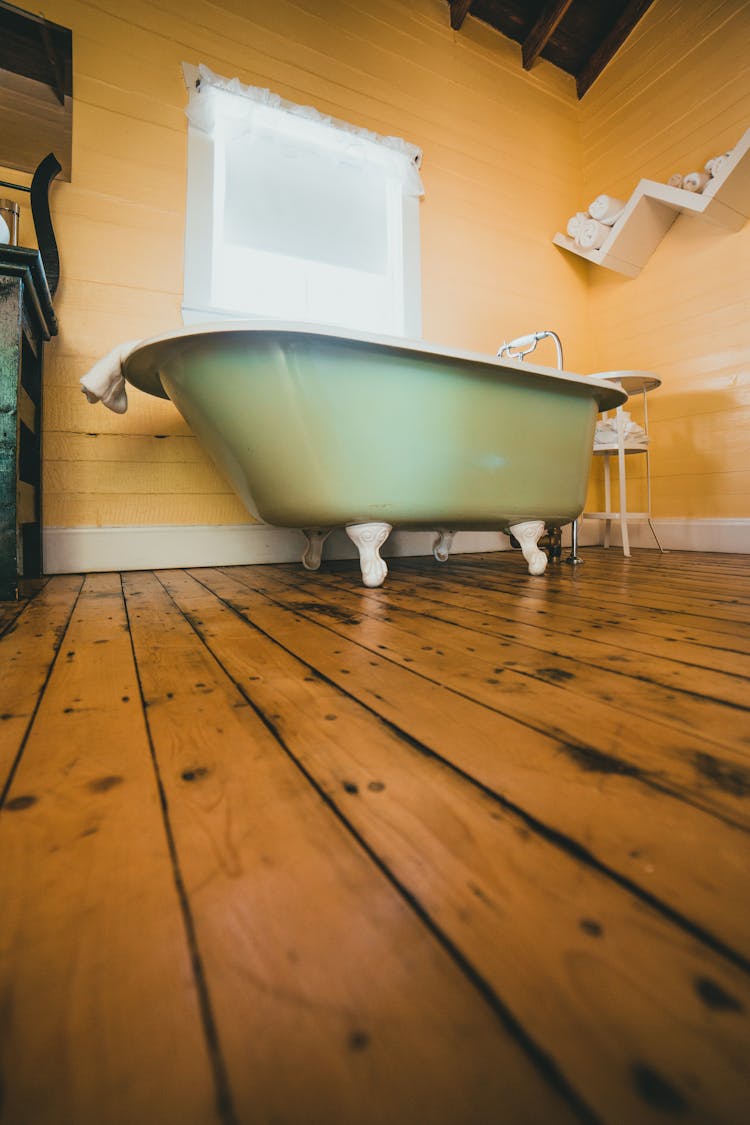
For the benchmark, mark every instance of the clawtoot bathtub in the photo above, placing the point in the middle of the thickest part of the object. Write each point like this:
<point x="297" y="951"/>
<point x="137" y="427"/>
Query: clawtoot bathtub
<point x="318" y="429"/>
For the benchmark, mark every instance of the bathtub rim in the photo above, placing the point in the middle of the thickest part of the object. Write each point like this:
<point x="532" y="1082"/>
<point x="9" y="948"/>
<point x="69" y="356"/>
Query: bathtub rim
<point x="140" y="367"/>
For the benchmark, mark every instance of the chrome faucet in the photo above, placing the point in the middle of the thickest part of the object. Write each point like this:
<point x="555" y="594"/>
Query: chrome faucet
<point x="523" y="345"/>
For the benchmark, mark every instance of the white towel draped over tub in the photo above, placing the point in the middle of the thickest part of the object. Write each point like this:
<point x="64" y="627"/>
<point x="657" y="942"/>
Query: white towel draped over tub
<point x="105" y="383"/>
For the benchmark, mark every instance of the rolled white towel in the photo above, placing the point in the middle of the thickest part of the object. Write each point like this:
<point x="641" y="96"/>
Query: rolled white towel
<point x="105" y="382"/>
<point x="606" y="209"/>
<point x="592" y="234"/>
<point x="574" y="223"/>
<point x="714" y="166"/>
<point x="676" y="179"/>
<point x="695" y="181"/>
<point x="606" y="433"/>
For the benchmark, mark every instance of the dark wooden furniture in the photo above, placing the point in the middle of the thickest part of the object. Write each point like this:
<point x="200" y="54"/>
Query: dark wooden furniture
<point x="27" y="320"/>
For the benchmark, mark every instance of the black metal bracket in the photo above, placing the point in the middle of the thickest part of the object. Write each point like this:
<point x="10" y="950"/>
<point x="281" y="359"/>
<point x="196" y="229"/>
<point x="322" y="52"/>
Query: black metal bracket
<point x="40" y="212"/>
<point x="45" y="234"/>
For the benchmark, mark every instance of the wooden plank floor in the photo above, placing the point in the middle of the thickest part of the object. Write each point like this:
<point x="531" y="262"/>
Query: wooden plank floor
<point x="471" y="848"/>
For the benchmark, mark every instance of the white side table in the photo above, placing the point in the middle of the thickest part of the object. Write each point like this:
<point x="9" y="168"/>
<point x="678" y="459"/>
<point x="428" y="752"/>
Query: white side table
<point x="633" y="382"/>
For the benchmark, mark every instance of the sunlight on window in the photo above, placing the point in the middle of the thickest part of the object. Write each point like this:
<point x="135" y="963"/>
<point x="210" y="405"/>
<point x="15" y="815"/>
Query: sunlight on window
<point x="310" y="219"/>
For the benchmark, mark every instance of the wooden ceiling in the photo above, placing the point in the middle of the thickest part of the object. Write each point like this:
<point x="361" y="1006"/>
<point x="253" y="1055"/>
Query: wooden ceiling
<point x="579" y="36"/>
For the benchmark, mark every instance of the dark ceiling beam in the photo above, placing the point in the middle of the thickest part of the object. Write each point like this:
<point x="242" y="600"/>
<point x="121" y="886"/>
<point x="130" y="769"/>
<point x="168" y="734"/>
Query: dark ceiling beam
<point x="542" y="31"/>
<point x="459" y="11"/>
<point x="611" y="43"/>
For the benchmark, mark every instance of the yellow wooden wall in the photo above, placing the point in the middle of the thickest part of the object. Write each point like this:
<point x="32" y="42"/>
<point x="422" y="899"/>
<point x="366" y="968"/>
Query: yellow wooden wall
<point x="501" y="161"/>
<point x="507" y="157"/>
<point x="676" y="94"/>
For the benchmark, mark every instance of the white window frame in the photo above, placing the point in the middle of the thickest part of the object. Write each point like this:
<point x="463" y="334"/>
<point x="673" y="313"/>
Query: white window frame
<point x="206" y="184"/>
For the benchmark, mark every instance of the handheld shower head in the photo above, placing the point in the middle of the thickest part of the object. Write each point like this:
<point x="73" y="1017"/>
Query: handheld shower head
<point x="523" y="345"/>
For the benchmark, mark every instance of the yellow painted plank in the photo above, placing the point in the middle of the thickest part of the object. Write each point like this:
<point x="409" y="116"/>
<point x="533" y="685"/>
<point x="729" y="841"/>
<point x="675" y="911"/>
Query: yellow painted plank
<point x="65" y="509"/>
<point x="713" y="318"/>
<point x="151" y="260"/>
<point x="675" y="95"/>
<point x="116" y="175"/>
<point x="134" y="448"/>
<point x="304" y="37"/>
<point x="94" y="322"/>
<point x="642" y="55"/>
<point x="66" y="410"/>
<point x="694" y="59"/>
<point x="702" y="444"/>
<point x="166" y="217"/>
<point x="130" y="478"/>
<point x="709" y="496"/>
<point x="133" y="102"/>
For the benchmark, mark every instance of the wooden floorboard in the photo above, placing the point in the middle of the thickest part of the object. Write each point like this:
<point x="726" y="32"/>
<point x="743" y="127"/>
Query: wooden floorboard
<point x="618" y="740"/>
<point x="318" y="969"/>
<point x="578" y="664"/>
<point x="9" y="611"/>
<point x="469" y="848"/>
<point x="101" y="1009"/>
<point x="28" y="649"/>
<point x="534" y="769"/>
<point x="669" y="663"/>
<point x="619" y="602"/>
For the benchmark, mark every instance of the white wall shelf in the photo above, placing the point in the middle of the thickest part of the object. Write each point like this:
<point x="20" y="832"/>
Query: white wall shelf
<point x="653" y="207"/>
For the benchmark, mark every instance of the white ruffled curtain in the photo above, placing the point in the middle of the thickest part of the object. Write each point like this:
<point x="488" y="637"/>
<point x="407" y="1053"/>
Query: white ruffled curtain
<point x="211" y="110"/>
<point x="307" y="218"/>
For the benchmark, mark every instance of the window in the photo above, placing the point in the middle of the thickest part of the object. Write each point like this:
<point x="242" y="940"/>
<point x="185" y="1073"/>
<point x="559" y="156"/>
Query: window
<point x="295" y="216"/>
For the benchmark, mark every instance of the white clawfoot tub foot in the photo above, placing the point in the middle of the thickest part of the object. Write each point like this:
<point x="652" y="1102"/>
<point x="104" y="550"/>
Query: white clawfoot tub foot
<point x="528" y="535"/>
<point x="441" y="548"/>
<point x="368" y="538"/>
<point x="313" y="552"/>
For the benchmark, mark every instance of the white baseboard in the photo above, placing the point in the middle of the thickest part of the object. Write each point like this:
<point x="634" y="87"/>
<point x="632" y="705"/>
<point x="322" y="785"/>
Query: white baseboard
<point x="70" y="550"/>
<point x="729" y="536"/>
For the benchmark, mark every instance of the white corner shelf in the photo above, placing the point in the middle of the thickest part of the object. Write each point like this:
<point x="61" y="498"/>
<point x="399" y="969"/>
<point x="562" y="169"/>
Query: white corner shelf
<point x="653" y="207"/>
